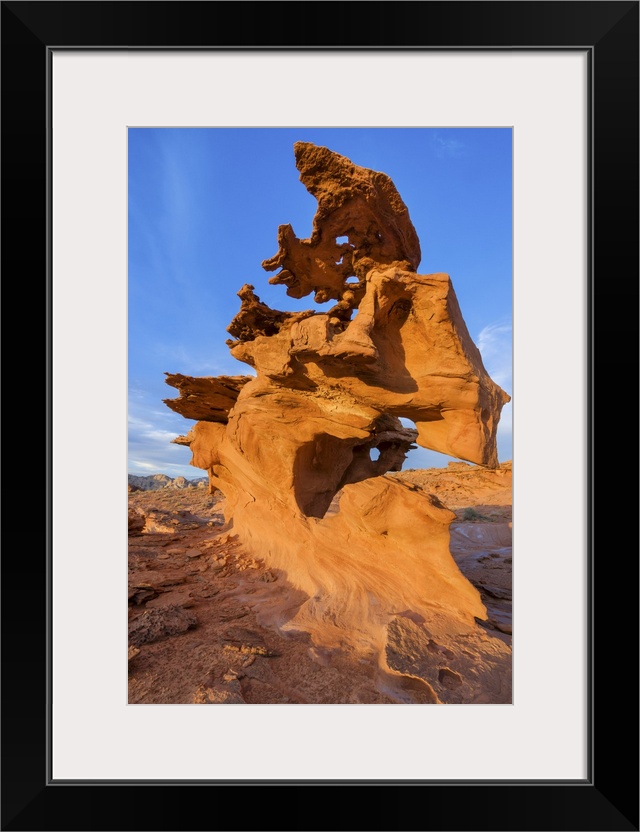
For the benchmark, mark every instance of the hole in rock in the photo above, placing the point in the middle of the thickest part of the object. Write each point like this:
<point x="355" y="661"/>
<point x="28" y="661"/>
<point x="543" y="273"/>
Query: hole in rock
<point x="374" y="454"/>
<point x="352" y="281"/>
<point x="308" y="302"/>
<point x="341" y="240"/>
<point x="423" y="457"/>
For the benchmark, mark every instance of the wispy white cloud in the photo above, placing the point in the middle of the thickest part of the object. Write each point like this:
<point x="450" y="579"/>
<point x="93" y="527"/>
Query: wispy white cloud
<point x="143" y="464"/>
<point x="177" y="355"/>
<point x="151" y="432"/>
<point x="494" y="343"/>
<point x="448" y="147"/>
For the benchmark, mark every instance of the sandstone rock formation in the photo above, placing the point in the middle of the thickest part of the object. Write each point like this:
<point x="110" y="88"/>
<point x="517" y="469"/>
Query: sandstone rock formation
<point x="136" y="521"/>
<point x="150" y="483"/>
<point x="156" y="624"/>
<point x="300" y="449"/>
<point x="154" y="482"/>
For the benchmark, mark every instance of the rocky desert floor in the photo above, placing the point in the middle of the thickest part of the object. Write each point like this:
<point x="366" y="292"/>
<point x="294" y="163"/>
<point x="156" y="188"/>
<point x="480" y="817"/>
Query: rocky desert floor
<point x="204" y="616"/>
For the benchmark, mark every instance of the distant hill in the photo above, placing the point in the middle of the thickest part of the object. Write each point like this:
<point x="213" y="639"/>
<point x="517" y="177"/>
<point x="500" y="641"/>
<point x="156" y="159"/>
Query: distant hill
<point x="154" y="482"/>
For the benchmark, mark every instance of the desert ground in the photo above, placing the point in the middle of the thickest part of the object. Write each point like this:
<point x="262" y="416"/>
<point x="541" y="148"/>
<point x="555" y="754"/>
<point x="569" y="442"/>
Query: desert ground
<point x="206" y="618"/>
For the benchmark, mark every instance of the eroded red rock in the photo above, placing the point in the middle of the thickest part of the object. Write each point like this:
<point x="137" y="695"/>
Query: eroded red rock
<point x="322" y="417"/>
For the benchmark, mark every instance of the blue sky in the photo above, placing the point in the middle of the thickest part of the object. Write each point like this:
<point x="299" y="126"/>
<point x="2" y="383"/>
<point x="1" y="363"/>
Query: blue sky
<point x="204" y="209"/>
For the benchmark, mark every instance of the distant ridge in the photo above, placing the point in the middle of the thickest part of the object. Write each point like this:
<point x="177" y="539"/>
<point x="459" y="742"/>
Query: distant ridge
<point x="154" y="482"/>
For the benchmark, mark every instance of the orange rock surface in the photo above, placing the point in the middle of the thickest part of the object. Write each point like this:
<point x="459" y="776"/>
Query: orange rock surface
<point x="300" y="450"/>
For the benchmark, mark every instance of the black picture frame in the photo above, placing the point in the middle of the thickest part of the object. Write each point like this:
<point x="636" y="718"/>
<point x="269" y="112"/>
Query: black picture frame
<point x="608" y="798"/>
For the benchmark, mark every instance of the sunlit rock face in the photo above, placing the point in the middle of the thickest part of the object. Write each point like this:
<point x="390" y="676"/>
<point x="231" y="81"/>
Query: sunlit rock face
<point x="321" y="418"/>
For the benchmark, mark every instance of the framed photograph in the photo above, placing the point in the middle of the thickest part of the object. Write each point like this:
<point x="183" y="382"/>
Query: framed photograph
<point x="562" y="79"/>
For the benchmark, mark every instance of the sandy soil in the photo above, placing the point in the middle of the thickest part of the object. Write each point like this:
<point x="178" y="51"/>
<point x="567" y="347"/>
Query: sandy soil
<point x="204" y="617"/>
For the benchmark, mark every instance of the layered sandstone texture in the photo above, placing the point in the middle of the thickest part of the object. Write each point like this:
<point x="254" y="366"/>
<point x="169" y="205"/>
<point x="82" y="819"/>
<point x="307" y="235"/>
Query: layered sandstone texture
<point x="301" y="450"/>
